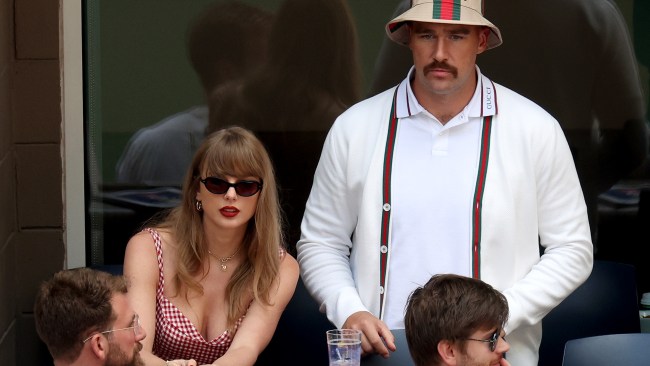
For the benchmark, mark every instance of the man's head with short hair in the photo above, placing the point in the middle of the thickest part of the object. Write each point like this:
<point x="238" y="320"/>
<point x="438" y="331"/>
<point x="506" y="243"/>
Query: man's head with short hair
<point x="450" y="308"/>
<point x="227" y="40"/>
<point x="73" y="305"/>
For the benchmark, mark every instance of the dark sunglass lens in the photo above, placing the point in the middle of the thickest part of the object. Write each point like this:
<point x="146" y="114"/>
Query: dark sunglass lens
<point x="216" y="185"/>
<point x="246" y="188"/>
<point x="494" y="341"/>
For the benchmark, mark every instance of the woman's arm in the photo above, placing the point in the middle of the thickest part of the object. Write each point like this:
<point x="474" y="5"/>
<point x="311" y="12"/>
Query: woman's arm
<point x="141" y="271"/>
<point x="257" y="328"/>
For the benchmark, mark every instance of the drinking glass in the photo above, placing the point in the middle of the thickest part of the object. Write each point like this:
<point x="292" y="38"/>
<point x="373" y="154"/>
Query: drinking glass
<point x="344" y="346"/>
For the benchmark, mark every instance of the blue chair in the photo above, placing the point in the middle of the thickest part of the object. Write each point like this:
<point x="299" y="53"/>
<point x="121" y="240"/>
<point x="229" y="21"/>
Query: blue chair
<point x="401" y="357"/>
<point x="632" y="349"/>
<point x="607" y="303"/>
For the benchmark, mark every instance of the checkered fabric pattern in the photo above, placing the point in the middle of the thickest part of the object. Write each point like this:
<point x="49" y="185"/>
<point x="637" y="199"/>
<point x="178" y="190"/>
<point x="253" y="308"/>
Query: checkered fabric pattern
<point x="176" y="337"/>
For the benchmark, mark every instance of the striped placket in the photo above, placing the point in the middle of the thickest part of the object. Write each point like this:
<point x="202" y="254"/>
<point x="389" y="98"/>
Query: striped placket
<point x="384" y="245"/>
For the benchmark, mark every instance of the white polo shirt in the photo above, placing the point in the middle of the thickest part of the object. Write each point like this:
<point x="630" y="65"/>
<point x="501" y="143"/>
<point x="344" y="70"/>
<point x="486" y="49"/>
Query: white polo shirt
<point x="433" y="182"/>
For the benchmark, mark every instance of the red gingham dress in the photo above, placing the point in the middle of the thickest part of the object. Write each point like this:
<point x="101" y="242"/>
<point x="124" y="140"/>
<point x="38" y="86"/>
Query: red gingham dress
<point x="176" y="337"/>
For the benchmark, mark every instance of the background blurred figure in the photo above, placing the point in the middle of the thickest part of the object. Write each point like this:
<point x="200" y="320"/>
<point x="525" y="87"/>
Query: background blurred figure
<point x="312" y="75"/>
<point x="85" y="318"/>
<point x="575" y="59"/>
<point x="447" y="318"/>
<point x="226" y="41"/>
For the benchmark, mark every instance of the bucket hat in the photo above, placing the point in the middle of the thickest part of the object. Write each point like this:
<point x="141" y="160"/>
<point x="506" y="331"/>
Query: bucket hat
<point x="468" y="12"/>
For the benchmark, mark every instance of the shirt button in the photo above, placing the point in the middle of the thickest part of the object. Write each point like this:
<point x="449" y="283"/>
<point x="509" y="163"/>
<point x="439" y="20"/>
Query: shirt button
<point x="383" y="249"/>
<point x="381" y="290"/>
<point x="386" y="206"/>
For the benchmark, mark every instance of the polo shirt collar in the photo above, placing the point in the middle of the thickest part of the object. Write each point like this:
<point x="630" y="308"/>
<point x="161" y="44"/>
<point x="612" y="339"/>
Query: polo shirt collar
<point x="483" y="102"/>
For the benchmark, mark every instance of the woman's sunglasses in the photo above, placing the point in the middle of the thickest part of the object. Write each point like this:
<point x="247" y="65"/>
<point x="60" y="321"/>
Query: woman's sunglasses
<point x="244" y="188"/>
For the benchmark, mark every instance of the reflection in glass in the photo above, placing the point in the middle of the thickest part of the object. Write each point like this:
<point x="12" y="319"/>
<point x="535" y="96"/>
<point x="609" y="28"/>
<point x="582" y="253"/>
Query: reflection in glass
<point x="312" y="75"/>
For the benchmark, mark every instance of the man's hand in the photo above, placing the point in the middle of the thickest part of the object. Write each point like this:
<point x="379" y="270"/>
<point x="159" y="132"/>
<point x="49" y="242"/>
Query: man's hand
<point x="376" y="336"/>
<point x="503" y="362"/>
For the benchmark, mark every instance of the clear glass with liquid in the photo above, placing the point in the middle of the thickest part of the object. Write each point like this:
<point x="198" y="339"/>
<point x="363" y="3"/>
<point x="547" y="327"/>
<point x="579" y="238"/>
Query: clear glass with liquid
<point x="344" y="346"/>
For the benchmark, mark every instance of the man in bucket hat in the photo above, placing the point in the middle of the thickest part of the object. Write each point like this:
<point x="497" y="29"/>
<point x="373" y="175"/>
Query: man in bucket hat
<point x="448" y="172"/>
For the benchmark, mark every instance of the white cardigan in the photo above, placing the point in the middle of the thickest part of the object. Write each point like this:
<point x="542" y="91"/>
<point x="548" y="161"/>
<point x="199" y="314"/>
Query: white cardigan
<point x="532" y="191"/>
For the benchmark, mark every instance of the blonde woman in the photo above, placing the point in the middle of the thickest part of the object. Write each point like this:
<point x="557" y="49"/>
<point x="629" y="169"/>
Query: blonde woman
<point x="211" y="278"/>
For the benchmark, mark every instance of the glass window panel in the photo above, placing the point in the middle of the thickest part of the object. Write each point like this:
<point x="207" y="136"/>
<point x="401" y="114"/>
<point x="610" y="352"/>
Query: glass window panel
<point x="587" y="67"/>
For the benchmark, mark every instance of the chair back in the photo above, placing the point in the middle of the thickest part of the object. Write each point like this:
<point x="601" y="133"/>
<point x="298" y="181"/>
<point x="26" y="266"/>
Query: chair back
<point x="632" y="349"/>
<point x="401" y="357"/>
<point x="114" y="269"/>
<point x="299" y="338"/>
<point x="605" y="304"/>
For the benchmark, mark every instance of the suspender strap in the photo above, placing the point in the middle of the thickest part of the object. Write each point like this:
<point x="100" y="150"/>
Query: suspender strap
<point x="478" y="196"/>
<point x="385" y="218"/>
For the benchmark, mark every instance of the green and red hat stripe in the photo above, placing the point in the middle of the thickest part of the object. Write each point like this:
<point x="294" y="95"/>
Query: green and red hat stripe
<point x="446" y="10"/>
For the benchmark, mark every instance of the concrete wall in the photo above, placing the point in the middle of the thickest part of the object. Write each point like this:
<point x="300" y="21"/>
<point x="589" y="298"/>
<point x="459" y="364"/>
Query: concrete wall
<point x="31" y="209"/>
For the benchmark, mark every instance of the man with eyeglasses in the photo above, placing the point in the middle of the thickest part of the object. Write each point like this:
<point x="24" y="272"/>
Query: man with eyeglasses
<point x="456" y="320"/>
<point x="84" y="318"/>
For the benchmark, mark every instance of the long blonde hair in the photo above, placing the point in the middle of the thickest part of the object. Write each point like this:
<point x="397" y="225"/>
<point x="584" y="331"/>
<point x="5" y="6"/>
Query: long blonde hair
<point x="232" y="151"/>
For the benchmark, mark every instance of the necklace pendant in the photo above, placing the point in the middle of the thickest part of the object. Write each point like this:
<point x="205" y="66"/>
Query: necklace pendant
<point x="223" y="267"/>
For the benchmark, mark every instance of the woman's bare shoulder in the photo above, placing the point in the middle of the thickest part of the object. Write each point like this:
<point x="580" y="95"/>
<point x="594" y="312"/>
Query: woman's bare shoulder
<point x="289" y="267"/>
<point x="141" y="241"/>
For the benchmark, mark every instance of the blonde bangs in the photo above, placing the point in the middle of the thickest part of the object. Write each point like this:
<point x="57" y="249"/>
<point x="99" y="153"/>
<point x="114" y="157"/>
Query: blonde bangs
<point x="234" y="156"/>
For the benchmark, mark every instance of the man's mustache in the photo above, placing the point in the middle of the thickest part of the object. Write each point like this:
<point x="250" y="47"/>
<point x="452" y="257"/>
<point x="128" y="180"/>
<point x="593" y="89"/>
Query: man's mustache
<point x="441" y="66"/>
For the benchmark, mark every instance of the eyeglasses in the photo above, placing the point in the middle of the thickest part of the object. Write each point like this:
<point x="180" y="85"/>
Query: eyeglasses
<point x="244" y="188"/>
<point x="137" y="329"/>
<point x="493" y="340"/>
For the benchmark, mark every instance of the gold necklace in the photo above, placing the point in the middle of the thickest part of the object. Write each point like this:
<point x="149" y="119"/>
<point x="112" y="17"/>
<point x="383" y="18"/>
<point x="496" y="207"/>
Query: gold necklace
<point x="225" y="259"/>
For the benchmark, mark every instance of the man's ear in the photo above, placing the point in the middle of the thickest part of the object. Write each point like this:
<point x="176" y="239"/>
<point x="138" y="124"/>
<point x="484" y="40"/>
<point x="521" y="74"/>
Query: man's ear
<point x="483" y="36"/>
<point x="409" y="31"/>
<point x="447" y="352"/>
<point x="99" y="347"/>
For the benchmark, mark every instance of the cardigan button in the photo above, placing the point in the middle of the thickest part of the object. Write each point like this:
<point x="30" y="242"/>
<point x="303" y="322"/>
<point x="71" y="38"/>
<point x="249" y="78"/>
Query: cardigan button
<point x="386" y="207"/>
<point x="383" y="249"/>
<point x="381" y="290"/>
